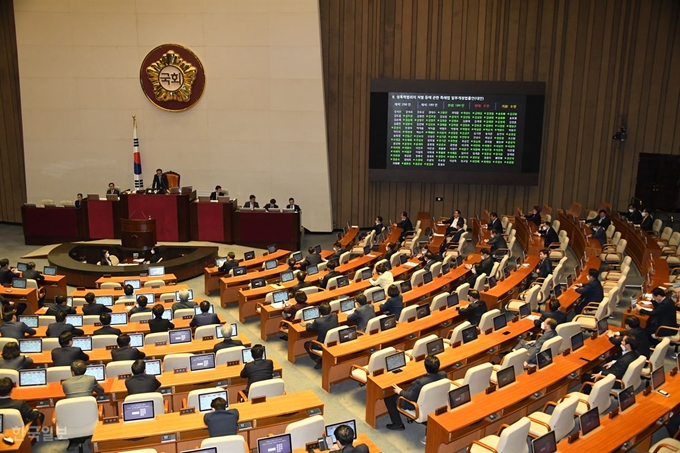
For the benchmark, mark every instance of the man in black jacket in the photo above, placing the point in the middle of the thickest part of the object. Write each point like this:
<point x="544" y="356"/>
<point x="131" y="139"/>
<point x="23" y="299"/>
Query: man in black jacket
<point x="405" y="225"/>
<point x="663" y="314"/>
<point x="554" y="312"/>
<point x="14" y="329"/>
<point x="378" y="227"/>
<point x="259" y="369"/>
<point x="140" y="382"/>
<point x="455" y="225"/>
<point x="634" y="330"/>
<point x="60" y="305"/>
<point x="548" y="233"/>
<point x="496" y="242"/>
<point x="590" y="292"/>
<point x="226" y="342"/>
<point x="633" y="215"/>
<point x="618" y="366"/>
<point x="106" y="329"/>
<point x="494" y="223"/>
<point x="28" y="415"/>
<point x="229" y="264"/>
<point x="475" y="309"/>
<point x="599" y="234"/>
<point x="544" y="267"/>
<point x="93" y="308"/>
<point x="31" y="273"/>
<point x="221" y="421"/>
<point x="483" y="267"/>
<point x="67" y="353"/>
<point x="7" y="273"/>
<point x="125" y="351"/>
<point x="344" y="440"/>
<point x="160" y="181"/>
<point x="56" y="328"/>
<point x="312" y="259"/>
<point x="647" y="222"/>
<point x="205" y="318"/>
<point x="601" y="220"/>
<point x="433" y="375"/>
<point x="534" y="216"/>
<point x="362" y="314"/>
<point x="331" y="273"/>
<point x="321" y="326"/>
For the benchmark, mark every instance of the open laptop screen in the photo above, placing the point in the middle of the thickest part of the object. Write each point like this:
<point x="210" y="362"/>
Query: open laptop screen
<point x="452" y="300"/>
<point x="422" y="311"/>
<point x="346" y="305"/>
<point x="275" y="444"/>
<point x="258" y="282"/>
<point x="74" y="320"/>
<point x="626" y="398"/>
<point x="50" y="270"/>
<point x="119" y="319"/>
<point x="348" y="334"/>
<point x="136" y="284"/>
<point x="249" y="255"/>
<point x="544" y="358"/>
<point x="272" y="248"/>
<point x="29" y="378"/>
<point x="247" y="355"/>
<point x="297" y="256"/>
<point x="30" y="345"/>
<point x="395" y="361"/>
<point x="84" y="343"/>
<point x="271" y="264"/>
<point x="310" y="313"/>
<point x="505" y="377"/>
<point x="156" y="271"/>
<point x="153" y="367"/>
<point x="577" y="341"/>
<point x="136" y="339"/>
<point x="330" y="429"/>
<point x="459" y="396"/>
<point x="287" y="276"/>
<point x="96" y="371"/>
<point x="388" y="322"/>
<point x="206" y="399"/>
<point x="313" y="269"/>
<point x="602" y="326"/>
<point x="524" y="310"/>
<point x="469" y="334"/>
<point x="545" y="444"/>
<point x="220" y="261"/>
<point x="590" y="420"/>
<point x="658" y="378"/>
<point x="500" y="322"/>
<point x="405" y="286"/>
<point x="180" y="336"/>
<point x="427" y="278"/>
<point x="200" y="362"/>
<point x="435" y="347"/>
<point x="29" y="320"/>
<point x="378" y="295"/>
<point x="138" y="411"/>
<point x="104" y="300"/>
<point x="19" y="283"/>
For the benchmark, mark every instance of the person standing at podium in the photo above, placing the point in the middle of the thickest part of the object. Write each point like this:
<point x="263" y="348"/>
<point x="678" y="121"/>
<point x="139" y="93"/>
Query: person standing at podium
<point x="112" y="190"/>
<point x="160" y="181"/>
<point x="251" y="203"/>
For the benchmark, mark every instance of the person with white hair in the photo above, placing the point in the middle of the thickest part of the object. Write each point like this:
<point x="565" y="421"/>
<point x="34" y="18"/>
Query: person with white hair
<point x="184" y="301"/>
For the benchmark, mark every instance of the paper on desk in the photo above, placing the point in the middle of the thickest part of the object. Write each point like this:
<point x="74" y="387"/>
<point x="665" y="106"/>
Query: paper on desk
<point x="525" y="264"/>
<point x="138" y="260"/>
<point x="533" y="317"/>
<point x="410" y="264"/>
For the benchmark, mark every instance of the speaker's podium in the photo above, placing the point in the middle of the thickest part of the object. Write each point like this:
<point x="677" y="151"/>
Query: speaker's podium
<point x="138" y="233"/>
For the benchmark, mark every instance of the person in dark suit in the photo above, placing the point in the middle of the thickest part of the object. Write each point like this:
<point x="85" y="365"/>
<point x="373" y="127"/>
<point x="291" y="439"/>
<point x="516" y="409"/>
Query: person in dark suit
<point x="160" y="181"/>
<point x="217" y="193"/>
<point x="534" y="216"/>
<point x="312" y="259"/>
<point x="496" y="242"/>
<point x="321" y="326"/>
<point x="157" y="323"/>
<point x="106" y="329"/>
<point x="331" y="273"/>
<point x="548" y="233"/>
<point x="663" y="314"/>
<point x="221" y="421"/>
<point x="7" y="273"/>
<point x="590" y="292"/>
<point x="28" y="415"/>
<point x="227" y="341"/>
<point x="128" y="294"/>
<point x="533" y="347"/>
<point x="60" y="305"/>
<point x="80" y="384"/>
<point x="183" y="301"/>
<point x="229" y="264"/>
<point x="292" y="264"/>
<point x="31" y="273"/>
<point x="205" y="318"/>
<point x="647" y="222"/>
<point x="290" y="310"/>
<point x="633" y="215"/>
<point x="291" y="205"/>
<point x="124" y="351"/>
<point x="301" y="276"/>
<point x="112" y="190"/>
<point x="378" y="227"/>
<point x="412" y="393"/>
<point x="617" y="367"/>
<point x="338" y="250"/>
<point x="554" y="312"/>
<point x="601" y="220"/>
<point x="14" y="329"/>
<point x="634" y="330"/>
<point x="475" y="309"/>
<point x="391" y="248"/>
<point x="93" y="308"/>
<point x="56" y="328"/>
<point x="483" y="267"/>
<point x="428" y="258"/>
<point x="154" y="256"/>
<point x="494" y="223"/>
<point x="344" y="441"/>
<point x="259" y="369"/>
<point x="7" y="306"/>
<point x="394" y="303"/>
<point x="251" y="203"/>
<point x="141" y="307"/>
<point x="79" y="201"/>
<point x="544" y="267"/>
<point x="599" y="234"/>
<point x="362" y="314"/>
<point x="405" y="225"/>
<point x="67" y="353"/>
<point x="271" y="205"/>
<point x="12" y="358"/>
<point x="140" y="382"/>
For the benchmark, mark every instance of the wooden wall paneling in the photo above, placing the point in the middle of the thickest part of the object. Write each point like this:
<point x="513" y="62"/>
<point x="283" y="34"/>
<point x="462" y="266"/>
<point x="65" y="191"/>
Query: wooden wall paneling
<point x="669" y="90"/>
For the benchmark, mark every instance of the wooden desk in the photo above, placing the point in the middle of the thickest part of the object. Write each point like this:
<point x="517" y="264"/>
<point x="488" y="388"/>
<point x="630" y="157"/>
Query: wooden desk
<point x="639" y="245"/>
<point x="508" y="288"/>
<point x="230" y="286"/>
<point x="393" y="236"/>
<point x="21" y="443"/>
<point x="455" y="430"/>
<point x="526" y="237"/>
<point x="54" y="285"/>
<point x="577" y="241"/>
<point x="569" y="296"/>
<point x="120" y="308"/>
<point x="349" y="237"/>
<point x="361" y="439"/>
<point x="28" y="296"/>
<point x="212" y="275"/>
<point x="455" y="361"/>
<point x="169" y="279"/>
<point x="270" y="417"/>
<point x="116" y="293"/>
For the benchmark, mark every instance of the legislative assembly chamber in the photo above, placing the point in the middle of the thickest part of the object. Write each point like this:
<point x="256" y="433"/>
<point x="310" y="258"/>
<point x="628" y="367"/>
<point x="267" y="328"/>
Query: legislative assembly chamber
<point x="277" y="226"/>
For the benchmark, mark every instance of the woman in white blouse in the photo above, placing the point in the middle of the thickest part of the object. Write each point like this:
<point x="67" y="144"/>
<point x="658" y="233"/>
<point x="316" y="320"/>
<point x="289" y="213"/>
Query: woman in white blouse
<point x="385" y="277"/>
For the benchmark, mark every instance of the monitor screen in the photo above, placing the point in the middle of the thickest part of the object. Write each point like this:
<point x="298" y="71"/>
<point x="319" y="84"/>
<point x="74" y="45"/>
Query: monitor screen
<point x="190" y="291"/>
<point x="239" y="270"/>
<point x="104" y="300"/>
<point x="28" y="378"/>
<point x="524" y="310"/>
<point x="317" y="248"/>
<point x="201" y="450"/>
<point x="84" y="343"/>
<point x="590" y="420"/>
<point x="544" y="358"/>
<point x="388" y="322"/>
<point x="403" y="258"/>
<point x="445" y="268"/>
<point x="271" y="264"/>
<point x="558" y="290"/>
<point x="119" y="319"/>
<point x="180" y="336"/>
<point x="218" y="331"/>
<point x="395" y="361"/>
<point x="258" y="282"/>
<point x="50" y="270"/>
<point x="312" y="270"/>
<point x="153" y="367"/>
<point x="136" y="284"/>
<point x="378" y="295"/>
<point x="271" y="248"/>
<point x="149" y="298"/>
<point x="310" y="313"/>
<point x="156" y="271"/>
<point x="459" y="396"/>
<point x="405" y="286"/>
<point x="220" y="261"/>
<point x="275" y="444"/>
<point x="658" y="378"/>
<point x="22" y="267"/>
<point x="346" y="305"/>
<point x="249" y="255"/>
<point x="348" y="334"/>
<point x="74" y="320"/>
<point x="136" y="340"/>
<point x="366" y="274"/>
<point x="435" y="347"/>
<point x="205" y="399"/>
<point x="197" y="309"/>
<point x="342" y="281"/>
<point x="96" y="371"/>
<point x="137" y="411"/>
<point x="287" y="276"/>
<point x="30" y="345"/>
<point x="247" y="356"/>
<point x="602" y="326"/>
<point x="452" y="300"/>
<point x="469" y="334"/>
<point x="626" y="398"/>
<point x="422" y="311"/>
<point x="505" y="377"/>
<point x="545" y="444"/>
<point x="29" y="320"/>
<point x="19" y="283"/>
<point x="577" y="341"/>
<point x="500" y="322"/>
<point x="330" y="429"/>
<point x="280" y="297"/>
<point x="427" y="277"/>
<point x="492" y="282"/>
<point x="167" y="314"/>
<point x="200" y="362"/>
<point x="297" y="256"/>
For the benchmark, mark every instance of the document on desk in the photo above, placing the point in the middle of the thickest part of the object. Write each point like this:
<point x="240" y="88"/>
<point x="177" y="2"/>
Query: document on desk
<point x="533" y="317"/>
<point x="410" y="264"/>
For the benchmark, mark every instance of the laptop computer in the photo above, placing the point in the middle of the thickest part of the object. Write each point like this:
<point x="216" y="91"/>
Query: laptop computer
<point x="190" y="291"/>
<point x="506" y="376"/>
<point x="602" y="326"/>
<point x="658" y="378"/>
<point x="249" y="255"/>
<point x="459" y="396"/>
<point x="558" y="290"/>
<point x="405" y="286"/>
<point x="342" y="281"/>
<point x="153" y="367"/>
<point x="275" y="444"/>
<point x="317" y="248"/>
<point x="50" y="270"/>
<point x="329" y="430"/>
<point x="84" y="343"/>
<point x="149" y="298"/>
<point x="395" y="362"/>
<point x="544" y="444"/>
<point x="156" y="271"/>
<point x="279" y="297"/>
<point x="136" y="283"/>
<point x="200" y="362"/>
<point x="206" y="399"/>
<point x="378" y="295"/>
<point x="107" y="301"/>
<point x="310" y="313"/>
<point x="297" y="256"/>
<point x="452" y="300"/>
<point x="29" y="320"/>
<point x="239" y="270"/>
<point x="96" y="371"/>
<point x="577" y="341"/>
<point x="136" y="339"/>
<point x="422" y="311"/>
<point x="74" y="320"/>
<point x="347" y="334"/>
<point x="445" y="268"/>
<point x="469" y="334"/>
<point x="167" y="314"/>
<point x="427" y="278"/>
<point x="270" y="264"/>
<point x="258" y="282"/>
<point x="346" y="305"/>
<point x="312" y="270"/>
<point x="119" y="318"/>
<point x="287" y="276"/>
<point x="492" y="282"/>
<point x="30" y="345"/>
<point x="30" y="378"/>
<point x="138" y="411"/>
<point x="220" y="261"/>
<point x="435" y="347"/>
<point x="626" y="398"/>
<point x="544" y="358"/>
<point x="179" y="336"/>
<point x="247" y="355"/>
<point x="524" y="310"/>
<point x="403" y="258"/>
<point x="500" y="322"/>
<point x="22" y="266"/>
<point x="19" y="283"/>
<point x="589" y="421"/>
<point x="388" y="322"/>
<point x="366" y="274"/>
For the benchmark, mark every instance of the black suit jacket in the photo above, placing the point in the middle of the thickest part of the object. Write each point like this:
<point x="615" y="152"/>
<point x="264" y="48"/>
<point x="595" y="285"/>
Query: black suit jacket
<point x="204" y="319"/>
<point x="160" y="325"/>
<point x="66" y="355"/>
<point x="107" y="330"/>
<point x="362" y="315"/>
<point x="474" y="311"/>
<point x="549" y="237"/>
<point x="247" y="204"/>
<point x="405" y="225"/>
<point x="635" y="217"/>
<point x="592" y="292"/>
<point x="256" y="371"/>
<point x="328" y="276"/>
<point x="535" y="218"/>
<point x="641" y="337"/>
<point x="53" y="309"/>
<point x="27" y="414"/>
<point x="228" y="265"/>
<point x="113" y="192"/>
<point x="126" y="353"/>
<point x="495" y="225"/>
<point x="497" y="242"/>
<point x="34" y="275"/>
<point x="311" y="260"/>
<point x="558" y="316"/>
<point x="160" y="183"/>
<point x="413" y="392"/>
<point x="663" y="314"/>
<point x="619" y="368"/>
<point x="227" y="344"/>
<point x="322" y="325"/>
<point x="484" y="267"/>
<point x="361" y="448"/>
<point x="603" y="222"/>
<point x="293" y="206"/>
<point x="57" y="328"/>
<point x="6" y="275"/>
<point x="647" y="223"/>
<point x="95" y="309"/>
<point x="544" y="268"/>
<point x="222" y="422"/>
<point x="141" y="383"/>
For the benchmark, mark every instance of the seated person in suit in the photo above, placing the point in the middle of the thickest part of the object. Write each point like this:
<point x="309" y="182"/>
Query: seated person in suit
<point x="428" y="258"/>
<point x="663" y="314"/>
<point x="338" y="250"/>
<point x="112" y="190"/>
<point x="80" y="384"/>
<point x="494" y="223"/>
<point x="385" y="277"/>
<point x="321" y="326"/>
<point x="533" y="347"/>
<point x="475" y="309"/>
<point x="184" y="301"/>
<point x="271" y="205"/>
<point x="229" y="264"/>
<point x="154" y="257"/>
<point x="548" y="233"/>
<point x="128" y="293"/>
<point x="12" y="358"/>
<point x="31" y="273"/>
<point x="378" y="226"/>
<point x="634" y="330"/>
<point x="157" y="323"/>
<point x="599" y="234"/>
<point x="312" y="259"/>
<point x="291" y="205"/>
<point x="291" y="264"/>
<point x="544" y="267"/>
<point x="66" y="354"/>
<point x="217" y="193"/>
<point x="160" y="181"/>
<point x="412" y="393"/>
<point x="251" y="203"/>
<point x="455" y="225"/>
<point x="633" y="215"/>
<point x="496" y="242"/>
<point x="141" y="307"/>
<point x="226" y="342"/>
<point x="106" y="259"/>
<point x="18" y="307"/>
<point x="259" y="369"/>
<point x="394" y="303"/>
<point x="140" y="382"/>
<point x="221" y="421"/>
<point x="362" y="314"/>
<point x="92" y="308"/>
<point x="646" y="224"/>
<point x="344" y="441"/>
<point x="617" y="366"/>
<point x="106" y="329"/>
<point x="60" y="305"/>
<point x="331" y="273"/>
<point x="56" y="328"/>
<point x="405" y="225"/>
<point x="391" y="248"/>
<point x="301" y="276"/>
<point x="289" y="310"/>
<point x="483" y="267"/>
<point x="124" y="351"/>
<point x="28" y="415"/>
<point x="534" y="216"/>
<point x="553" y="312"/>
<point x="602" y="220"/>
<point x="205" y="318"/>
<point x="7" y="273"/>
<point x="14" y="329"/>
<point x="591" y="291"/>
<point x="79" y="201"/>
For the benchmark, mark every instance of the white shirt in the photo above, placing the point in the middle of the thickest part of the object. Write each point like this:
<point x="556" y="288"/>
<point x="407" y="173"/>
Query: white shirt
<point x="384" y="280"/>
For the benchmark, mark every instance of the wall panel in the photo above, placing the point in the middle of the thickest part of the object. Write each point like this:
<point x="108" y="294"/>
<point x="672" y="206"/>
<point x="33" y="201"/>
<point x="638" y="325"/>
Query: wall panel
<point x="603" y="62"/>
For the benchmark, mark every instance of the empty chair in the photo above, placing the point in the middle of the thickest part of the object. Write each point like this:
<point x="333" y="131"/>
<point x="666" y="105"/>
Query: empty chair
<point x="480" y="282"/>
<point x="11" y="419"/>
<point x="268" y="388"/>
<point x="153" y="338"/>
<point x="167" y="297"/>
<point x="102" y="341"/>
<point x="561" y="420"/>
<point x="599" y="395"/>
<point x="373" y="324"/>
<point x="90" y="320"/>
<point x="559" y="251"/>
<point x="310" y="290"/>
<point x="12" y="374"/>
<point x="115" y="369"/>
<point x="666" y="445"/>
<point x="153" y="283"/>
<point x="456" y="335"/>
<point x="58" y="373"/>
<point x="205" y="331"/>
<point x="375" y="362"/>
<point x="589" y="322"/>
<point x="305" y="431"/>
<point x="657" y="358"/>
<point x="462" y="291"/>
<point x="182" y="312"/>
<point x="417" y="278"/>
<point x="174" y="361"/>
<point x="367" y="241"/>
<point x="614" y="254"/>
<point x="228" y="444"/>
<point x="436" y="269"/>
<point x="76" y="419"/>
<point x="511" y="439"/>
<point x="665" y="236"/>
<point x="110" y="285"/>
<point x="439" y="301"/>
<point x="50" y="343"/>
<point x="408" y="313"/>
<point x="420" y="346"/>
<point x="333" y="283"/>
<point x="566" y="331"/>
<point x="514" y="359"/>
<point x="79" y="302"/>
<point x="44" y="321"/>
<point x="477" y="377"/>
<point x="226" y="355"/>
<point x="159" y="407"/>
<point x="332" y="336"/>
<point x="486" y="321"/>
<point x="455" y="249"/>
<point x="530" y="297"/>
<point x="137" y="317"/>
<point x="358" y="272"/>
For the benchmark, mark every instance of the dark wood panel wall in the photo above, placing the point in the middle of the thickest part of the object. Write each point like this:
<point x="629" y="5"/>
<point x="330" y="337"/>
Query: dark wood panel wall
<point x="604" y="62"/>
<point x="12" y="172"/>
